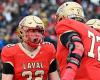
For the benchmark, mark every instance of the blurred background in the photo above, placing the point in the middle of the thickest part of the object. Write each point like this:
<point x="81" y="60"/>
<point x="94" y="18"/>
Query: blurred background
<point x="12" y="11"/>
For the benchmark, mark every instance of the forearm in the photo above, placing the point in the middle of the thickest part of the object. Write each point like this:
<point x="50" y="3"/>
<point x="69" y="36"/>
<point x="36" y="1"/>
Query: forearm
<point x="7" y="71"/>
<point x="72" y="41"/>
<point x="54" y="76"/>
<point x="7" y="76"/>
<point x="70" y="72"/>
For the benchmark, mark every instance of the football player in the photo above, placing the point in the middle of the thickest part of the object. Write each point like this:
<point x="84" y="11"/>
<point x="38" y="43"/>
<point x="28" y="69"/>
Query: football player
<point x="94" y="23"/>
<point x="78" y="53"/>
<point x="31" y="59"/>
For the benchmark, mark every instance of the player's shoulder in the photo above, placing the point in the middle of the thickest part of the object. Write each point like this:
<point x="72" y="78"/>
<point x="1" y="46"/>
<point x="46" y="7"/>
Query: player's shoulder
<point x="9" y="49"/>
<point x="48" y="46"/>
<point x="9" y="46"/>
<point x="69" y="22"/>
<point x="60" y="23"/>
<point x="48" y="49"/>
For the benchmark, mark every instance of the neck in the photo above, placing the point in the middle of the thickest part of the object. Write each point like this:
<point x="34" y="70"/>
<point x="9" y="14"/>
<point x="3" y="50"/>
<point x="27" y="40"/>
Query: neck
<point x="29" y="48"/>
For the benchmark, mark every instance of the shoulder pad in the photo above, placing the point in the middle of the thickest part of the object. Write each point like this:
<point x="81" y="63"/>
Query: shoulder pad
<point x="48" y="46"/>
<point x="46" y="43"/>
<point x="10" y="45"/>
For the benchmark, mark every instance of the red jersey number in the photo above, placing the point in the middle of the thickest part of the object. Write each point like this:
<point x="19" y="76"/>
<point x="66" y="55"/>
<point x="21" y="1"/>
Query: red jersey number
<point x="94" y="39"/>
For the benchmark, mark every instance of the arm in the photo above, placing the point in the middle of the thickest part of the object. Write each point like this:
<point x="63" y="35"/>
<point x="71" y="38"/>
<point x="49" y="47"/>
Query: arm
<point x="7" y="77"/>
<point x="53" y="73"/>
<point x="7" y="71"/>
<point x="7" y="60"/>
<point x="72" y="41"/>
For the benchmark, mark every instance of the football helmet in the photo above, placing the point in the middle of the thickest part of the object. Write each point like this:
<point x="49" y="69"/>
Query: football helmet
<point x="31" y="30"/>
<point x="71" y="10"/>
<point x="94" y="23"/>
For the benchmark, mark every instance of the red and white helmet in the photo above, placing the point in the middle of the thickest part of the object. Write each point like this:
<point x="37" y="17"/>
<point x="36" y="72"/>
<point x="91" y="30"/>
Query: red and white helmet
<point x="71" y="10"/>
<point x="94" y="23"/>
<point x="31" y="30"/>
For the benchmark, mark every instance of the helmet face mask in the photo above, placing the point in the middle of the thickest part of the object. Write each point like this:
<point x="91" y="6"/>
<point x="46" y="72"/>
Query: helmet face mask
<point x="94" y="23"/>
<point x="31" y="30"/>
<point x="70" y="10"/>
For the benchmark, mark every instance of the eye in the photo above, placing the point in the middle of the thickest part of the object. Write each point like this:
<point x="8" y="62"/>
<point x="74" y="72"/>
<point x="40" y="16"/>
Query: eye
<point x="91" y="26"/>
<point x="30" y="30"/>
<point x="41" y="31"/>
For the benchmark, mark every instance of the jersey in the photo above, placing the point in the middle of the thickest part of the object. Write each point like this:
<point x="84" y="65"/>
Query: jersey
<point x="28" y="66"/>
<point x="90" y="65"/>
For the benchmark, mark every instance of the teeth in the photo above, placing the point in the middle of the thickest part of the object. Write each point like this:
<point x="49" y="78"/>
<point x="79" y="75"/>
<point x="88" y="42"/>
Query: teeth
<point x="71" y="16"/>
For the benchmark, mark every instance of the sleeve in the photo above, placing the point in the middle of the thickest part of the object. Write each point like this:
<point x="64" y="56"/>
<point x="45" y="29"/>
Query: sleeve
<point x="7" y="68"/>
<point x="53" y="64"/>
<point x="7" y="56"/>
<point x="71" y="40"/>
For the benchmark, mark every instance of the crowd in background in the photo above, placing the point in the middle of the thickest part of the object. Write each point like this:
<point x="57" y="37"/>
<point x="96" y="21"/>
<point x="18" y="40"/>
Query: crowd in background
<point x="12" y="11"/>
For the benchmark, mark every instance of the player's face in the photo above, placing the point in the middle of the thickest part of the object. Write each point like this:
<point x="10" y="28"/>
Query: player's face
<point x="33" y="36"/>
<point x="30" y="30"/>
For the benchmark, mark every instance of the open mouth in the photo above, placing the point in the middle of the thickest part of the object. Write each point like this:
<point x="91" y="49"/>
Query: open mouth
<point x="36" y="40"/>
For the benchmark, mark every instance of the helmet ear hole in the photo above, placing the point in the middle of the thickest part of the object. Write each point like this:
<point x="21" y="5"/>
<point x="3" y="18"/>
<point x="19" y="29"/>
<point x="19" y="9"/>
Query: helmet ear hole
<point x="21" y="32"/>
<point x="61" y="18"/>
<point x="20" y="37"/>
<point x="66" y="4"/>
